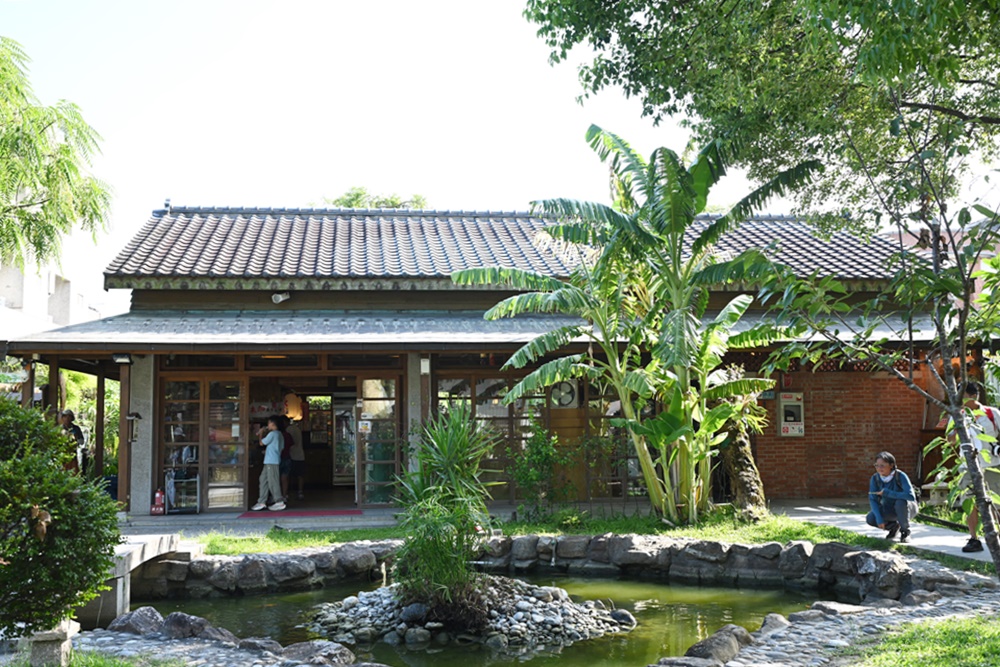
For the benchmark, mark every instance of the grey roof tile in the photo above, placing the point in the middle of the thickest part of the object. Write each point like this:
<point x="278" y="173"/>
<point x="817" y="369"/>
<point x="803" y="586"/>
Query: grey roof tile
<point x="194" y="242"/>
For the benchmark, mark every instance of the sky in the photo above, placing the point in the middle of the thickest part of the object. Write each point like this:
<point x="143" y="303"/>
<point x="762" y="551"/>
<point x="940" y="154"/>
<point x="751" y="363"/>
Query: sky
<point x="278" y="104"/>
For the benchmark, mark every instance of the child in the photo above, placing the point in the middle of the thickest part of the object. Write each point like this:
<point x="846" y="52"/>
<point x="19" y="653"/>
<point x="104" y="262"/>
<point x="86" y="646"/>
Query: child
<point x="270" y="476"/>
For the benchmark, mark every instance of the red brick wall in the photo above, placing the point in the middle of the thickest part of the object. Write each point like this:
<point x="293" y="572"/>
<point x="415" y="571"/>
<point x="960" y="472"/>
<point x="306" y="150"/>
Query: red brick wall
<point x="849" y="418"/>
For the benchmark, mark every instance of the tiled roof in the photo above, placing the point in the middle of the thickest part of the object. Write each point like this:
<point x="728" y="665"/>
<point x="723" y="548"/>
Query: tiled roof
<point x="148" y="331"/>
<point x="231" y="243"/>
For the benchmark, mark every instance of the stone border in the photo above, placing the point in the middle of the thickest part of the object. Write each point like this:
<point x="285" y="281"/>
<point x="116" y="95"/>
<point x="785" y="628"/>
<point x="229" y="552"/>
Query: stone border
<point x="798" y="565"/>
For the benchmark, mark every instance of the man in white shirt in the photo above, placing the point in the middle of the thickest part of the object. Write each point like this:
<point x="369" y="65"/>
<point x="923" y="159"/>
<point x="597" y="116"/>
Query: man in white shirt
<point x="986" y="421"/>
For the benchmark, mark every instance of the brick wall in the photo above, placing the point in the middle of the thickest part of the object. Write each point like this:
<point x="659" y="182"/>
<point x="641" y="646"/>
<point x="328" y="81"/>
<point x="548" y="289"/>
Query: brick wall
<point x="849" y="418"/>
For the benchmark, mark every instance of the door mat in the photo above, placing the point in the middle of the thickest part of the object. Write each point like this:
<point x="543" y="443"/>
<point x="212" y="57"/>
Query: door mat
<point x="265" y="514"/>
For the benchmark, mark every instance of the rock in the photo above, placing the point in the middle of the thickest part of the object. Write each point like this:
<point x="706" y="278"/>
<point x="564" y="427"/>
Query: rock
<point x="722" y="646"/>
<point x="260" y="644"/>
<point x="356" y="560"/>
<point x="631" y="550"/>
<point x="772" y="623"/>
<point x="688" y="661"/>
<point x="794" y="558"/>
<point x="572" y="546"/>
<point x="350" y="602"/>
<point x="624" y="618"/>
<point x="219" y="635"/>
<point x="883" y="574"/>
<point x="807" y="616"/>
<point x="289" y="568"/>
<point x="414" y="613"/>
<point x="203" y="567"/>
<point x="837" y="608"/>
<point x="498" y="547"/>
<point x="497" y="641"/>
<point x="920" y="597"/>
<point x="392" y="638"/>
<point x="524" y="547"/>
<point x="179" y="625"/>
<point x="319" y="652"/>
<point x="224" y="577"/>
<point x="251" y="575"/>
<point x="365" y="635"/>
<point x="417" y="636"/>
<point x="142" y="621"/>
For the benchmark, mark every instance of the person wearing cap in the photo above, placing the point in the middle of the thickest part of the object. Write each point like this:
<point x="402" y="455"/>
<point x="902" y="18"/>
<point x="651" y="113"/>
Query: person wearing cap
<point x="71" y="430"/>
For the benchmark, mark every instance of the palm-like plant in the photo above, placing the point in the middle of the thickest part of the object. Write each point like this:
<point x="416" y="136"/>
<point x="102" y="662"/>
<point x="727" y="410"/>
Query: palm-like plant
<point x="641" y="289"/>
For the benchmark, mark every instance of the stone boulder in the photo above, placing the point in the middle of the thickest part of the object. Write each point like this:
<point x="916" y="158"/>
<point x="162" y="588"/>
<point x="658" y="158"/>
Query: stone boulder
<point x="318" y="652"/>
<point x="260" y="644"/>
<point x="219" y="635"/>
<point x="289" y="569"/>
<point x="794" y="558"/>
<point x="356" y="560"/>
<point x="179" y="625"/>
<point x="251" y="575"/>
<point x="772" y="623"/>
<point x="723" y="645"/>
<point x="141" y="621"/>
<point x="882" y="574"/>
<point x="524" y="548"/>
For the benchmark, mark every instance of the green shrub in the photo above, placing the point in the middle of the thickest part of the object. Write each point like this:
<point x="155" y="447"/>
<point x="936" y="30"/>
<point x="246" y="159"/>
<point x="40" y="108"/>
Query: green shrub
<point x="445" y="508"/>
<point x="534" y="467"/>
<point x="57" y="530"/>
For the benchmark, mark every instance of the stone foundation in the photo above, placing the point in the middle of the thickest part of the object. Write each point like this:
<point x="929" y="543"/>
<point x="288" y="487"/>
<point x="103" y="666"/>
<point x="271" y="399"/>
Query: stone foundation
<point x="843" y="568"/>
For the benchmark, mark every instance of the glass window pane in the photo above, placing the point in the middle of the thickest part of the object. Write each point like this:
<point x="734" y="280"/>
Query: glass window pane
<point x="180" y="433"/>
<point x="230" y="390"/>
<point x="227" y="454"/>
<point x="182" y="391"/>
<point x="378" y="388"/>
<point x="199" y="361"/>
<point x="283" y="361"/>
<point x="378" y="410"/>
<point x="454" y="388"/>
<point x="224" y="412"/>
<point x="182" y="412"/>
<point x="226" y="488"/>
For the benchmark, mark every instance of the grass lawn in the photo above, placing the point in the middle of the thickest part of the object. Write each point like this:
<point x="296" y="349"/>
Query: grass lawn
<point x="86" y="659"/>
<point x="719" y="526"/>
<point x="968" y="642"/>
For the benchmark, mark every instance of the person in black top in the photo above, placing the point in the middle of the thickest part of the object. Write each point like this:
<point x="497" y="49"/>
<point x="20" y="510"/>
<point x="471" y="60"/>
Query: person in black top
<point x="71" y="430"/>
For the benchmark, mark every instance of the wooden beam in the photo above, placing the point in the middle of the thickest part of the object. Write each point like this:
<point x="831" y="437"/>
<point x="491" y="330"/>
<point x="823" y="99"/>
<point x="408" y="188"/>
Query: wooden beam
<point x="99" y="426"/>
<point x="28" y="386"/>
<point x="125" y="429"/>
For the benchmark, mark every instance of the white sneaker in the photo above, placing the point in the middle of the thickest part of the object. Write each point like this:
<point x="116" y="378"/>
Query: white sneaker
<point x="277" y="506"/>
<point x="258" y="507"/>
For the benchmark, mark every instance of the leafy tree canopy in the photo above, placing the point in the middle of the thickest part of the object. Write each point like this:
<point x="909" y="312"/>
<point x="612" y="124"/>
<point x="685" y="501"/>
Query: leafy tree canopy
<point x="45" y="189"/>
<point x="359" y="197"/>
<point x="864" y="86"/>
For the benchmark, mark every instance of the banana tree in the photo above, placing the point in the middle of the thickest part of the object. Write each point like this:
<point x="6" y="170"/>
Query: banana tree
<point x="641" y="287"/>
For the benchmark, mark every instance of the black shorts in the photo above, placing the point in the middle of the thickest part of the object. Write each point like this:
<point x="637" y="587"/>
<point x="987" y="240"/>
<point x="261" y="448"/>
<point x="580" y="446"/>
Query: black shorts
<point x="285" y="466"/>
<point x="298" y="468"/>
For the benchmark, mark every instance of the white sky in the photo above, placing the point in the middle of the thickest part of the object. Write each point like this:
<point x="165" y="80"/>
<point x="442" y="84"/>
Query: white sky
<point x="266" y="103"/>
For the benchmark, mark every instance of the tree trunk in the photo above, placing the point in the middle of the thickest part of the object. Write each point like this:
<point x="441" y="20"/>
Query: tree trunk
<point x="744" y="477"/>
<point x="984" y="501"/>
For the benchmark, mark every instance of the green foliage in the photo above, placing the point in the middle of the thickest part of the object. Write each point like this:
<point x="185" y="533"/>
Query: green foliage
<point x="863" y="86"/>
<point x="641" y="286"/>
<point x="45" y="189"/>
<point x="57" y="530"/>
<point x="535" y="469"/>
<point x="445" y="508"/>
<point x="953" y="642"/>
<point x="95" y="659"/>
<point x="359" y="197"/>
<point x="279" y="539"/>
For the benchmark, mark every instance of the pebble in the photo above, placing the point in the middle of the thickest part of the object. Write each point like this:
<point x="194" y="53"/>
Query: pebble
<point x="826" y="638"/>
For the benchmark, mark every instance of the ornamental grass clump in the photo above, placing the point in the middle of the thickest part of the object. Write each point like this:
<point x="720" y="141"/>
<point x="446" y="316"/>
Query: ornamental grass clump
<point x="58" y="530"/>
<point x="445" y="513"/>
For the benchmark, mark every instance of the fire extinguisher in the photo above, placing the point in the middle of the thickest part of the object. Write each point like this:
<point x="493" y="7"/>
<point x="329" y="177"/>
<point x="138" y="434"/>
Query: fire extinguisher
<point x="158" y="506"/>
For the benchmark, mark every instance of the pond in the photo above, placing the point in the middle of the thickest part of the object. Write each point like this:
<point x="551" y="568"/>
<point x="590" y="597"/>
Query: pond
<point x="671" y="618"/>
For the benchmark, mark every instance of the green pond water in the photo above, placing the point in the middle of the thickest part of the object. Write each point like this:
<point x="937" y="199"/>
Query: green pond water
<point x="671" y="618"/>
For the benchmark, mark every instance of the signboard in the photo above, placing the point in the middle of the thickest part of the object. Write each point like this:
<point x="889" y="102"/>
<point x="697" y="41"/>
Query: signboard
<point x="790" y="414"/>
<point x="364" y="426"/>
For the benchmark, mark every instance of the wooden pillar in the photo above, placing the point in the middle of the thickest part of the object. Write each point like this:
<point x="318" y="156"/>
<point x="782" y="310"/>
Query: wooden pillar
<point x="28" y="386"/>
<point x="99" y="425"/>
<point x="52" y="400"/>
<point x="124" y="436"/>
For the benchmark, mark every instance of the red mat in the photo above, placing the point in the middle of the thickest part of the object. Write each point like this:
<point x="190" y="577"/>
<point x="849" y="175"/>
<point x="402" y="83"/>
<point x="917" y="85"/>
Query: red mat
<point x="268" y="514"/>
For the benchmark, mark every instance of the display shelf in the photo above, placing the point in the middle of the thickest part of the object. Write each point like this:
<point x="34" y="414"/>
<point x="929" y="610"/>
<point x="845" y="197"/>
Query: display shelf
<point x="183" y="491"/>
